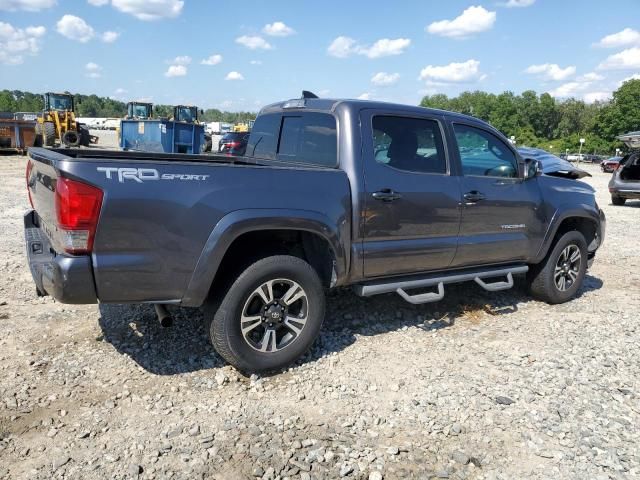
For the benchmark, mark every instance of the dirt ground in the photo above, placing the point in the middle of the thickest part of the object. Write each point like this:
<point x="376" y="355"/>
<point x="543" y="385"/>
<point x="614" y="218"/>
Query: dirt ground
<point x="480" y="385"/>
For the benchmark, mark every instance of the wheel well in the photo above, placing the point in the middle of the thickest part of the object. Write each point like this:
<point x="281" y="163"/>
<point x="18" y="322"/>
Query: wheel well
<point x="580" y="224"/>
<point x="252" y="246"/>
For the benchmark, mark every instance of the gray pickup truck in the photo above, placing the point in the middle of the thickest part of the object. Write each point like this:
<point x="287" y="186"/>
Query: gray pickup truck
<point x="382" y="197"/>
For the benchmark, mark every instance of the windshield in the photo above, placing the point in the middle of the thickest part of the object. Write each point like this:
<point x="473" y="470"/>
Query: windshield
<point x="141" y="111"/>
<point x="60" y="102"/>
<point x="187" y="114"/>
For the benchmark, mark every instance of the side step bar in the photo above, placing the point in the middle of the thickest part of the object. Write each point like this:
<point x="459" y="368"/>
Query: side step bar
<point x="400" y="286"/>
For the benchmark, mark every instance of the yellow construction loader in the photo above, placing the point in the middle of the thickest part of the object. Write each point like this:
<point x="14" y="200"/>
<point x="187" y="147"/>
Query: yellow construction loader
<point x="58" y="126"/>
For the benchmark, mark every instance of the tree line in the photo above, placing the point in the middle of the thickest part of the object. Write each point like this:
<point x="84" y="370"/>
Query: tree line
<point x="542" y="121"/>
<point x="96" y="106"/>
<point x="534" y="120"/>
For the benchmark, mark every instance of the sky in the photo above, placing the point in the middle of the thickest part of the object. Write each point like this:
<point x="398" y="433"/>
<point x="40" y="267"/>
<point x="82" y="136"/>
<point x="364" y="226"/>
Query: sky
<point x="243" y="55"/>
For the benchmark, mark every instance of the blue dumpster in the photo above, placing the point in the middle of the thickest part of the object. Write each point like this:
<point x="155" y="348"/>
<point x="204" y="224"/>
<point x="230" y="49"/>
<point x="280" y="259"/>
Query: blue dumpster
<point x="161" y="136"/>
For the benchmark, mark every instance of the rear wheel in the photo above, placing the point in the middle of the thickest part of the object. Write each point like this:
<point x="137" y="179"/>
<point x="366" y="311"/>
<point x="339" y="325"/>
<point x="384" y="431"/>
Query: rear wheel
<point x="559" y="277"/>
<point x="49" y="134"/>
<point x="270" y="316"/>
<point x="617" y="200"/>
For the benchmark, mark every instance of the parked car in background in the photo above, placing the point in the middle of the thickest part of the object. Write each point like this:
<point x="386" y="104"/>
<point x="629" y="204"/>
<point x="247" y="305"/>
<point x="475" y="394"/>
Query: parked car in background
<point x="610" y="164"/>
<point x="625" y="181"/>
<point x="233" y="143"/>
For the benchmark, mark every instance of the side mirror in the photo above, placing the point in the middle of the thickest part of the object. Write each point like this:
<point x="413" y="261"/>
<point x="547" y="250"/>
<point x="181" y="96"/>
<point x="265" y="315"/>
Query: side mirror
<point x="532" y="168"/>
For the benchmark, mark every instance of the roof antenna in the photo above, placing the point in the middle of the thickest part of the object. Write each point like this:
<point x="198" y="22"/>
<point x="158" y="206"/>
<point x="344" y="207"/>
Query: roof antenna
<point x="308" y="94"/>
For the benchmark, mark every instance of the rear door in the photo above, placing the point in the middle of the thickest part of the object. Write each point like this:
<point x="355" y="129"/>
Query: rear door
<point x="411" y="211"/>
<point x="500" y="214"/>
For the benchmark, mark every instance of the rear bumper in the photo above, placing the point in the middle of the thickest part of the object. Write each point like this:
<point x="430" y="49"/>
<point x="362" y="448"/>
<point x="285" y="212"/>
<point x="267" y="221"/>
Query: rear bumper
<point x="68" y="279"/>
<point x="625" y="193"/>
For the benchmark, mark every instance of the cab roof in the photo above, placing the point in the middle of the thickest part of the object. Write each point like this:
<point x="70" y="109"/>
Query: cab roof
<point x="330" y="105"/>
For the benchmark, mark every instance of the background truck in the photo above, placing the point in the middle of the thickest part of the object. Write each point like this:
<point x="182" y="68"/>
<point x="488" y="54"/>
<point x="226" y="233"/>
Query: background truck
<point x="382" y="197"/>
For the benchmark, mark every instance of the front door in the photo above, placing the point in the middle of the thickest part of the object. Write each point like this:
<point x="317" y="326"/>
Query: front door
<point x="411" y="212"/>
<point x="500" y="210"/>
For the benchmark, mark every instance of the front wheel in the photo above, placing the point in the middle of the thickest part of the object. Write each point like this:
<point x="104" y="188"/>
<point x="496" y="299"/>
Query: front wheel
<point x="270" y="316"/>
<point x="559" y="277"/>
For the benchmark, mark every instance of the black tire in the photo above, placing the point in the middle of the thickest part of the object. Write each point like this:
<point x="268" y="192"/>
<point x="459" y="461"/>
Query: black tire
<point x="49" y="134"/>
<point x="225" y="328"/>
<point x="71" y="138"/>
<point x="542" y="283"/>
<point x="85" y="136"/>
<point x="37" y="141"/>
<point x="618" y="200"/>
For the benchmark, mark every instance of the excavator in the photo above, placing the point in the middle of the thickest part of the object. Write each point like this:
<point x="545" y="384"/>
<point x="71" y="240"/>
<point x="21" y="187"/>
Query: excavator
<point x="58" y="126"/>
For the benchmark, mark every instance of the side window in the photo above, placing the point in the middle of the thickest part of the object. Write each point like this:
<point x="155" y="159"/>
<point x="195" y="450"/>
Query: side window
<point x="484" y="154"/>
<point x="309" y="138"/>
<point x="410" y="144"/>
<point x="263" y="140"/>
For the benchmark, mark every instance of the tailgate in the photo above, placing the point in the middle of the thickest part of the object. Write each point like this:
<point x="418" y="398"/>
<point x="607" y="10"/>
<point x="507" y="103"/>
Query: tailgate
<point x="41" y="182"/>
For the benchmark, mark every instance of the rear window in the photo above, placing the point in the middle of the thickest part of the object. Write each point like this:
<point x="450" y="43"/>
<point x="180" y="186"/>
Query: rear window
<point x="309" y="138"/>
<point x="263" y="141"/>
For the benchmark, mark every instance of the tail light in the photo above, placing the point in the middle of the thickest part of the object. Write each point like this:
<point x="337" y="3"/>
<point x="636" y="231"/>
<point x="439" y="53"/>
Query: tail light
<point x="233" y="144"/>
<point x="28" y="177"/>
<point x="77" y="211"/>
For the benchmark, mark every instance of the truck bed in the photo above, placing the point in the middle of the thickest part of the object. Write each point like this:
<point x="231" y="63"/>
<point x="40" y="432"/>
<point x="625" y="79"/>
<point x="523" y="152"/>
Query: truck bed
<point x="163" y="214"/>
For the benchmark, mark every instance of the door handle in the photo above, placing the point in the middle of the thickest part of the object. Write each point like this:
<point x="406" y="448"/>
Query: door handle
<point x="473" y="197"/>
<point x="386" y="195"/>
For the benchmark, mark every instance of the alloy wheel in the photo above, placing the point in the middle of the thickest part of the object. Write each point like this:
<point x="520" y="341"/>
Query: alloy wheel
<point x="274" y="315"/>
<point x="567" y="267"/>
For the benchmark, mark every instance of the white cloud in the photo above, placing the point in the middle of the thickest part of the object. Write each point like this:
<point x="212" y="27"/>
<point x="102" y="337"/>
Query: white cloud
<point x="28" y="5"/>
<point x="551" y="71"/>
<point x="98" y="3"/>
<point x="364" y="96"/>
<point x="109" y="36"/>
<point x="93" y="70"/>
<point x="592" y="97"/>
<point x="234" y="76"/>
<point x="254" y="42"/>
<point x="278" y="29"/>
<point x="468" y="71"/>
<point x="255" y="62"/>
<point x="474" y="19"/>
<point x="625" y="37"/>
<point x="635" y="76"/>
<point x="180" y="60"/>
<point x="176" y="71"/>
<point x="386" y="47"/>
<point x="518" y="3"/>
<point x="75" y="28"/>
<point x="120" y="91"/>
<point x="628" y="59"/>
<point x="15" y="43"/>
<point x="212" y="60"/>
<point x="590" y="77"/>
<point x="569" y="89"/>
<point x="343" y="47"/>
<point x="382" y="79"/>
<point x="149" y="10"/>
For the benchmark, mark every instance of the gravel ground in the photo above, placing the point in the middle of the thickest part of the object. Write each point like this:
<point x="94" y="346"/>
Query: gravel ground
<point x="479" y="386"/>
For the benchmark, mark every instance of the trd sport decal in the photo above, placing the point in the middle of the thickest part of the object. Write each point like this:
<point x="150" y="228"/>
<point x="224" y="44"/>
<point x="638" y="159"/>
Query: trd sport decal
<point x="142" y="175"/>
